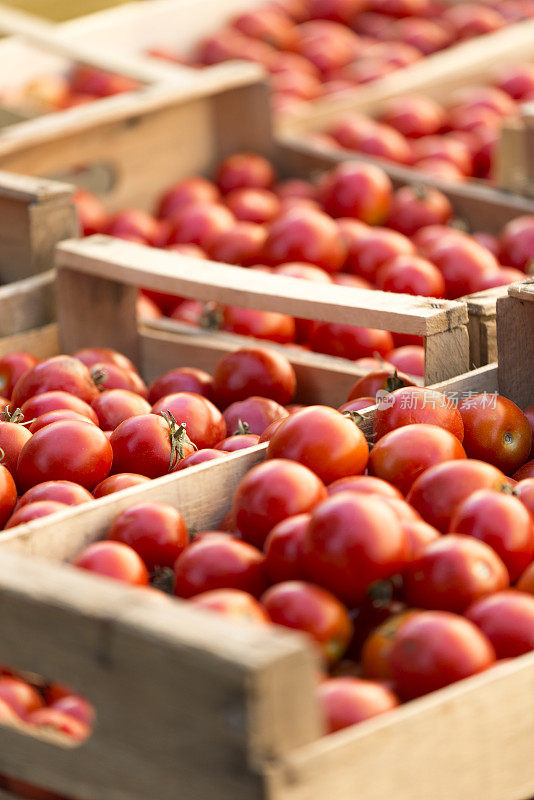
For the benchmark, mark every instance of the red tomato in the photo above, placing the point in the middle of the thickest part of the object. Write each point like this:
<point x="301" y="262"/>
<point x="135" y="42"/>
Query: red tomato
<point x="517" y="243"/>
<point x="496" y="431"/>
<point x="253" y="205"/>
<point x="34" y="510"/>
<point x="255" y="414"/>
<point x="507" y="619"/>
<point x="414" y="115"/>
<point x="240" y="441"/>
<point x="355" y="406"/>
<point x="313" y="610"/>
<point x="61" y="415"/>
<point x="343" y="11"/>
<point x="60" y="372"/>
<point x="116" y="405"/>
<point x="517" y="80"/>
<point x="414" y="404"/>
<point x="55" y="401"/>
<point x="410" y="359"/>
<point x="464" y="264"/>
<point x="373" y="248"/>
<point x="253" y="371"/>
<point x="322" y="439"/>
<point x="352" y="541"/>
<point x="201" y="224"/>
<point x="385" y="380"/>
<point x="307" y="235"/>
<point x="328" y="45"/>
<point x="259" y="324"/>
<point x="524" y="472"/>
<point x="150" y="444"/>
<point x="53" y="720"/>
<point x="370" y="137"/>
<point x="268" y="432"/>
<point x="113" y="560"/>
<point x="283" y="549"/>
<point x="204" y="422"/>
<point x="294" y="187"/>
<point x="116" y="483"/>
<point x="414" y="208"/>
<point x="200" y="457"/>
<point x="419" y="535"/>
<point x="104" y="355"/>
<point x="92" y="214"/>
<point x="71" y="494"/>
<point x="485" y="97"/>
<point x="356" y="190"/>
<point x="220" y="563"/>
<point x="244" y="170"/>
<point x="19" y="695"/>
<point x="133" y="222"/>
<point x="349" y="341"/>
<point x="410" y="275"/>
<point x="403" y="454"/>
<point x="8" y="495"/>
<point x="242" y="244"/>
<point x="156" y="531"/>
<point x="187" y="192"/>
<point x="110" y="376"/>
<point x="438" y="492"/>
<point x="13" y="437"/>
<point x="526" y="581"/>
<point x="433" y="649"/>
<point x="376" y="650"/>
<point x="296" y="269"/>
<point x="77" y="707"/>
<point x="182" y="379"/>
<point x="452" y="150"/>
<point x="12" y="367"/>
<point x="270" y="493"/>
<point x="364" y="484"/>
<point x="233" y="603"/>
<point x="346" y="701"/>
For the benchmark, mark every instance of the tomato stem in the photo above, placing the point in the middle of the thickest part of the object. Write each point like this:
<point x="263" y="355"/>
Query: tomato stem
<point x="179" y="439"/>
<point x="242" y="428"/>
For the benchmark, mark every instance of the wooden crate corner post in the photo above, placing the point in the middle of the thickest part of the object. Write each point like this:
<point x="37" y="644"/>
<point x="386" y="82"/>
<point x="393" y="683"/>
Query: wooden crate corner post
<point x="515" y="342"/>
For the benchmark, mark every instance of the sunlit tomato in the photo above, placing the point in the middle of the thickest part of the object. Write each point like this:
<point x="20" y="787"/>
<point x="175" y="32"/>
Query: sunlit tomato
<point x="110" y="376"/>
<point x="517" y="243"/>
<point x="13" y="437"/>
<point x="19" y="695"/>
<point x="113" y="560"/>
<point x="419" y="535"/>
<point x="187" y="192"/>
<point x="343" y="11"/>
<point x="373" y="138"/>
<point x="253" y="205"/>
<point x="403" y="454"/>
<point x="346" y="701"/>
<point x="305" y="607"/>
<point x="268" y="325"/>
<point x="283" y="549"/>
<point x="156" y="531"/>
<point x="376" y="650"/>
<point x="410" y="275"/>
<point x="104" y="355"/>
<point x="350" y="341"/>
<point x="503" y="277"/>
<point x="12" y="367"/>
<point x="428" y="237"/>
<point x="34" y="510"/>
<point x="201" y="224"/>
<point x="415" y="207"/>
<point x="56" y="416"/>
<point x="150" y="445"/>
<point x="242" y="244"/>
<point x="133" y="222"/>
<point x="52" y="719"/>
<point x="445" y="148"/>
<point x="452" y="572"/>
<point x="8" y="495"/>
<point x="414" y="115"/>
<point x="464" y="265"/>
<point x="244" y="170"/>
<point x="373" y="248"/>
<point x="203" y="421"/>
<point x="352" y="541"/>
<point x="306" y="235"/>
<point x="414" y="404"/>
<point x="71" y="494"/>
<point x="295" y="188"/>
<point x="92" y="214"/>
<point x="73" y="451"/>
<point x="442" y="170"/>
<point x="410" y="359"/>
<point x="382" y="380"/>
<point x="517" y="80"/>
<point x="182" y="379"/>
<point x="253" y="371"/>
<point x="507" y="619"/>
<point x="356" y="190"/>
<point x="219" y="563"/>
<point x="526" y="581"/>
<point x="270" y="493"/>
<point x="433" y="649"/>
<point x="328" y="45"/>
<point x="496" y="431"/>
<point x="239" y="441"/>
<point x="325" y="441"/>
<point x="255" y="413"/>
<point x="485" y="97"/>
<point x="77" y="707"/>
<point x="364" y="484"/>
<point x="472" y="19"/>
<point x="200" y="457"/>
<point x="116" y="483"/>
<point x="115" y="405"/>
<point x="524" y="472"/>
<point x="233" y="603"/>
<point x="355" y="406"/>
<point x="55" y="401"/>
<point x="269" y="430"/>
<point x="65" y="373"/>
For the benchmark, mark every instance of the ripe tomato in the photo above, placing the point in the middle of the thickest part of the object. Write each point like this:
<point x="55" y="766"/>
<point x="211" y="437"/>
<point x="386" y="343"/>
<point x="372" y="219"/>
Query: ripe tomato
<point x="304" y="607"/>
<point x="357" y="190"/>
<point x="306" y="235"/>
<point x="507" y="619"/>
<point x="364" y="484"/>
<point x="34" y="510"/>
<point x="61" y="415"/>
<point x="352" y="541"/>
<point x="419" y="534"/>
<point x="452" y="572"/>
<point x="19" y="695"/>
<point x="517" y="243"/>
<point x="217" y="562"/>
<point x="347" y="701"/>
<point x="410" y="359"/>
<point x="322" y="439"/>
<point x="414" y="115"/>
<point x="104" y="355"/>
<point x="182" y="379"/>
<point x="268" y="432"/>
<point x="239" y="441"/>
<point x="116" y="483"/>
<point x="13" y="437"/>
<point x="254" y="371"/>
<point x="402" y="455"/>
<point x="52" y="719"/>
<point x="410" y="275"/>
<point x="200" y="457"/>
<point x="113" y="560"/>
<point x="233" y="603"/>
<point x="156" y="531"/>
<point x="372" y="248"/>
<point x="150" y="444"/>
<point x="413" y="208"/>
<point x="71" y="494"/>
<point x="382" y="380"/>
<point x="12" y="367"/>
<point x="187" y="192"/>
<point x="201" y="224"/>
<point x="433" y="649"/>
<point x="77" y="707"/>
<point x="438" y="492"/>
<point x="376" y="650"/>
<point x="244" y="170"/>
<point x="55" y="401"/>
<point x="496" y="431"/>
<point x="270" y="493"/>
<point x="259" y="324"/>
<point x="242" y="244"/>
<point x="327" y="44"/>
<point x="204" y="422"/>
<point x="133" y="223"/>
<point x="253" y="205"/>
<point x="8" y="495"/>
<point x="60" y="372"/>
<point x="517" y="80"/>
<point x="283" y="549"/>
<point x="525" y="472"/>
<point x="414" y="404"/>
<point x="110" y="376"/>
<point x="357" y="405"/>
<point x="464" y="264"/>
<point x="113" y="406"/>
<point x="255" y="414"/>
<point x="92" y="214"/>
<point x="524" y="490"/>
<point x="350" y="341"/>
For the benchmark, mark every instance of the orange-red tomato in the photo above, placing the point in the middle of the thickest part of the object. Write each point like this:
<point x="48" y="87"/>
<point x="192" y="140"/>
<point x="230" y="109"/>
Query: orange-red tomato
<point x="232" y="603"/>
<point x="347" y="701"/>
<point x="384" y="380"/>
<point x="376" y="651"/>
<point x="414" y="404"/>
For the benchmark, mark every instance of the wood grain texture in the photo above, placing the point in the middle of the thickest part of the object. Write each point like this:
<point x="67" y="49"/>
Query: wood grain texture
<point x="27" y="304"/>
<point x="41" y="342"/>
<point x="515" y="340"/>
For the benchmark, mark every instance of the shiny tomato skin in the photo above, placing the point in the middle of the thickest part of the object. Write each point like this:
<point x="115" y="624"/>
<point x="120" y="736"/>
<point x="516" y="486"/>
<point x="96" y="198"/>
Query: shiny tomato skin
<point x="253" y="205"/>
<point x="61" y="415"/>
<point x="410" y="275"/>
<point x="311" y="609"/>
<point x="242" y="244"/>
<point x="110" y="376"/>
<point x="438" y="492"/>
<point x="116" y="483"/>
<point x="113" y="560"/>
<point x="113" y="406"/>
<point x="419" y="535"/>
<point x="253" y="371"/>
<point x="525" y="472"/>
<point x="507" y="619"/>
<point x="415" y="208"/>
<point x="187" y="192"/>
<point x="500" y="520"/>
<point x="402" y="455"/>
<point x="384" y="380"/>
<point x="67" y="492"/>
<point x="220" y="563"/>
<point x="347" y="701"/>
<point x="268" y="325"/>
<point x="8" y="495"/>
<point x="143" y="444"/>
<point x="182" y="379"/>
<point x="352" y="541"/>
<point x="464" y="264"/>
<point x="270" y="493"/>
<point x="322" y="439"/>
<point x="496" y="431"/>
<point x="269" y="430"/>
<point x="350" y="341"/>
<point x="376" y="650"/>
<point x="233" y="603"/>
<point x="283" y="549"/>
<point x="240" y="441"/>
<point x="204" y="422"/>
<point x="55" y="401"/>
<point x="372" y="248"/>
<point x="13" y="437"/>
<point x="517" y="243"/>
<point x="414" y="115"/>
<point x="19" y="695"/>
<point x="156" y="531"/>
<point x="75" y="451"/>
<point x="414" y="404"/>
<point x="104" y="355"/>
<point x="452" y="573"/>
<point x="305" y="235"/>
<point x="12" y="367"/>
<point x="256" y="413"/>
<point x="409" y="359"/>
<point x="244" y="170"/>
<point x="54" y="720"/>
<point x="60" y="372"/>
<point x="364" y="484"/>
<point x="357" y="190"/>
<point x="201" y="224"/>
<point x="524" y="490"/>
<point x="436" y="648"/>
<point x="200" y="457"/>
<point x="357" y="405"/>
<point x="32" y="511"/>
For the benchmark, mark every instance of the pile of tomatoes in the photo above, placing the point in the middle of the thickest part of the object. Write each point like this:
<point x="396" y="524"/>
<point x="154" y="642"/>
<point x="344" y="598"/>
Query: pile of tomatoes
<point x="315" y="48"/>
<point x="451" y="143"/>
